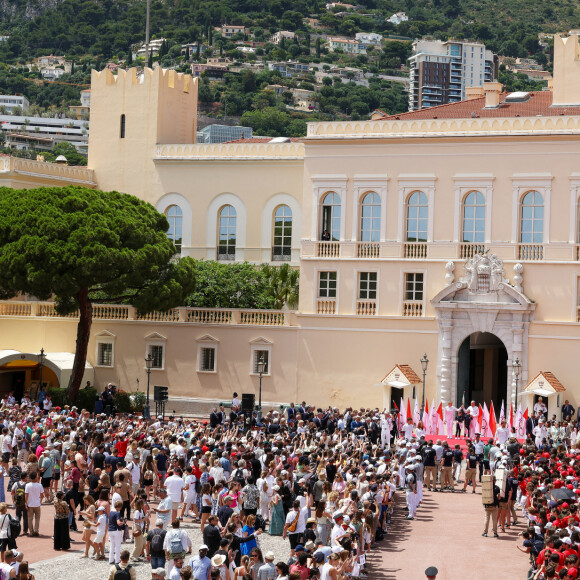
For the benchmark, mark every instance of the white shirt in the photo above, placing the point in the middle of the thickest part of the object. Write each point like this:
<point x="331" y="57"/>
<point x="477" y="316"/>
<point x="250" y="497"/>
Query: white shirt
<point x="174" y="533"/>
<point x="408" y="430"/>
<point x="450" y="412"/>
<point x="135" y="472"/>
<point x="34" y="491"/>
<point x="7" y="443"/>
<point x="540" y="408"/>
<point x="502" y="435"/>
<point x="473" y="411"/>
<point x="102" y="523"/>
<point x="174" y="485"/>
<point x="190" y="480"/>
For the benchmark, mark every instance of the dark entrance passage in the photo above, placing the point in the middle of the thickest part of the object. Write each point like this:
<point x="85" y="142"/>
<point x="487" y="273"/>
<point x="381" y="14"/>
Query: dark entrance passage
<point x="482" y="370"/>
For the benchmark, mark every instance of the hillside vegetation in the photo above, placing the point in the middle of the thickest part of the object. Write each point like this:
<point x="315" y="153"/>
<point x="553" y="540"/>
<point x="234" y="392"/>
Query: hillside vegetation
<point x="109" y="27"/>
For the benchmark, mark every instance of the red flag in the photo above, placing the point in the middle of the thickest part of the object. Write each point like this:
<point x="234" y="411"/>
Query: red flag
<point x="480" y="417"/>
<point x="409" y="412"/>
<point x="395" y="405"/>
<point x="426" y="407"/>
<point x="526" y="414"/>
<point x="440" y="411"/>
<point x="492" y="422"/>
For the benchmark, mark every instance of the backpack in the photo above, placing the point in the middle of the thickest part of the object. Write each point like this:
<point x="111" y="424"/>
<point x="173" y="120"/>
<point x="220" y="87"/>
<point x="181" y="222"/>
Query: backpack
<point x="14" y="528"/>
<point x="175" y="546"/>
<point x="20" y="497"/>
<point x="239" y="476"/>
<point x="122" y="573"/>
<point x="157" y="542"/>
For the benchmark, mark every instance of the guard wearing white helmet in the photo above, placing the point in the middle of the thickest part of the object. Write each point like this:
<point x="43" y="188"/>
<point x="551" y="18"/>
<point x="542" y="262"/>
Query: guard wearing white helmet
<point x="411" y="490"/>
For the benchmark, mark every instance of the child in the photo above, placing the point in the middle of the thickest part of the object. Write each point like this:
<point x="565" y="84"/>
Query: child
<point x="101" y="526"/>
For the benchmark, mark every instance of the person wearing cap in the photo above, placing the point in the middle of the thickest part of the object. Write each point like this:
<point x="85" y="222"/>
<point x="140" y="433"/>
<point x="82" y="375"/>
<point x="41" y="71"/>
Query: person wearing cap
<point x="101" y="529"/>
<point x="268" y="570"/>
<point x="411" y="490"/>
<point x="158" y="574"/>
<point x="200" y="565"/>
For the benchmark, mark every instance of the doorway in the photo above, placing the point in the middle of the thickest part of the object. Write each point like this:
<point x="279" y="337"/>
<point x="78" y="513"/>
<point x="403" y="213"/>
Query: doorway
<point x="482" y="370"/>
<point x="396" y="396"/>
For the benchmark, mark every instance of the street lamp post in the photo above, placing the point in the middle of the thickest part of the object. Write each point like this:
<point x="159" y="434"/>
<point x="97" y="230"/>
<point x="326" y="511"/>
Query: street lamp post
<point x="516" y="368"/>
<point x="424" y="365"/>
<point x="261" y="367"/>
<point x="148" y="365"/>
<point x="41" y="357"/>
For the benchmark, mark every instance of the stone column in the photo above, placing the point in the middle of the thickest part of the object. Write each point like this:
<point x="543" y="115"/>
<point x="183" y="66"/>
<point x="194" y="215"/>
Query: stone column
<point x="445" y="352"/>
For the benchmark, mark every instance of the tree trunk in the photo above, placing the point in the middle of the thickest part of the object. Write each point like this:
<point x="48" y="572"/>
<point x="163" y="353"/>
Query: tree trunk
<point x="83" y="335"/>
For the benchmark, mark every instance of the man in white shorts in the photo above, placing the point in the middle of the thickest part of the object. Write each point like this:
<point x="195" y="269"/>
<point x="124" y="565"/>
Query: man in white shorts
<point x="174" y="485"/>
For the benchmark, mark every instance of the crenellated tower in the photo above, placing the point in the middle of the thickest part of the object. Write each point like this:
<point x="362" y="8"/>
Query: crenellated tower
<point x="130" y="116"/>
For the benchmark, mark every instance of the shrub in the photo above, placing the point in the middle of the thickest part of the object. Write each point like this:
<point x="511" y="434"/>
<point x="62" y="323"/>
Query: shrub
<point x="138" y="401"/>
<point x="86" y="399"/>
<point x="122" y="401"/>
<point x="58" y="397"/>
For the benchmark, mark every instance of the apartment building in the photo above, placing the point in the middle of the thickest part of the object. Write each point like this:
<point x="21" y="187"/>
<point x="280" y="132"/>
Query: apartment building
<point x="439" y="72"/>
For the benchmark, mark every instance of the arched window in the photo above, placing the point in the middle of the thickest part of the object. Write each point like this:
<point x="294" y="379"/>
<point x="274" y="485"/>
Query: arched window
<point x="417" y="217"/>
<point x="227" y="233"/>
<point x="474" y="218"/>
<point x="370" y="218"/>
<point x="331" y="217"/>
<point x="174" y="216"/>
<point x="532" y="222"/>
<point x="282" y="234"/>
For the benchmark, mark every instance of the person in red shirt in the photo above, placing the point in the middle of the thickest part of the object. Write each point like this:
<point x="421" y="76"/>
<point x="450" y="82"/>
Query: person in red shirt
<point x="122" y="445"/>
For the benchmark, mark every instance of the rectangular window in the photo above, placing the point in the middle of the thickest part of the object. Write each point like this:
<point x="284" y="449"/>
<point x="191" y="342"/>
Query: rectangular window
<point x="156" y="351"/>
<point x="414" y="286"/>
<point x="105" y="354"/>
<point x="207" y="359"/>
<point x="327" y="285"/>
<point x="261" y="356"/>
<point x="367" y="286"/>
<point x="122" y="132"/>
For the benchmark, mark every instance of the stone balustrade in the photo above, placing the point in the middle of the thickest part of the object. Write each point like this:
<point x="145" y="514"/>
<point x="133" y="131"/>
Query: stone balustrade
<point x="181" y="315"/>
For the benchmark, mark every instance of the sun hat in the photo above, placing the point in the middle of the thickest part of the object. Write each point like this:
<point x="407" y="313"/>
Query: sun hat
<point x="218" y="560"/>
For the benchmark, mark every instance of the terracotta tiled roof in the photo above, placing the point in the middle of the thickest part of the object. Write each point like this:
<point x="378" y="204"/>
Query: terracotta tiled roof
<point x="259" y="140"/>
<point x="539" y="103"/>
<point x="407" y="371"/>
<point x="410" y="374"/>
<point x="550" y="377"/>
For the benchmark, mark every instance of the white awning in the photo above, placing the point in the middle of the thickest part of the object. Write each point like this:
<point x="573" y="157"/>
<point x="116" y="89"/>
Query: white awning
<point x="61" y="363"/>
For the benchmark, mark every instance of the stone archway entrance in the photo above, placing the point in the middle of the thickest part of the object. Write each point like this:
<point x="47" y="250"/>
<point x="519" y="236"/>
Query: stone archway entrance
<point x="482" y="302"/>
<point x="482" y="370"/>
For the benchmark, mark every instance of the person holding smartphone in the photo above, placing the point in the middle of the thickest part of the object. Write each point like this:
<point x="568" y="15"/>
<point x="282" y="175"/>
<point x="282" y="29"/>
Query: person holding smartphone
<point x="116" y="527"/>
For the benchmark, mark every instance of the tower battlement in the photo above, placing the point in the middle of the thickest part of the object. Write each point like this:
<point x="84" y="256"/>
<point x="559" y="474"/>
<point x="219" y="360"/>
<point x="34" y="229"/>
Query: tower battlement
<point x="131" y="115"/>
<point x="159" y="77"/>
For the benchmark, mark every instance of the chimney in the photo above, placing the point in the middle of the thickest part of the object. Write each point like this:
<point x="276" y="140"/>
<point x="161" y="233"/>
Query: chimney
<point x="473" y="93"/>
<point x="492" y="92"/>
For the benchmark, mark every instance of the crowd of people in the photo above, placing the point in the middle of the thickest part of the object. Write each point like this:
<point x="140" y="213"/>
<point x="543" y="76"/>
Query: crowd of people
<point x="324" y="480"/>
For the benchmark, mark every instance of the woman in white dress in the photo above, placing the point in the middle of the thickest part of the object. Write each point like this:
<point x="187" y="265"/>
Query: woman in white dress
<point x="264" y="499"/>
